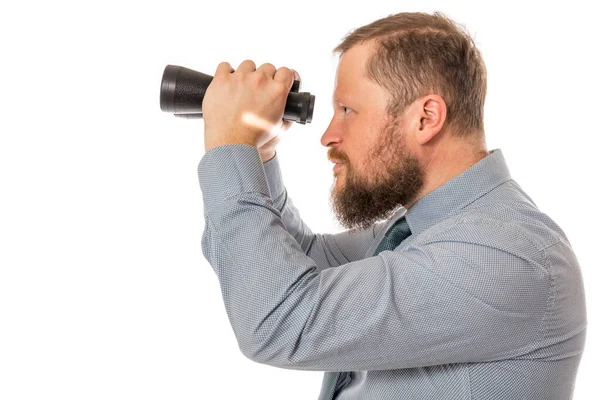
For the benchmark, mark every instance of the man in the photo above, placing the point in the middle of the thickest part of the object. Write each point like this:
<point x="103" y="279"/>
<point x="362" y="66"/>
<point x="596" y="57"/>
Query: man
<point x="465" y="290"/>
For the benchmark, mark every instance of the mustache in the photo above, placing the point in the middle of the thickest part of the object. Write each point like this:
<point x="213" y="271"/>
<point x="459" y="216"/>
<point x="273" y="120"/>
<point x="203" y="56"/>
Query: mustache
<point x="335" y="157"/>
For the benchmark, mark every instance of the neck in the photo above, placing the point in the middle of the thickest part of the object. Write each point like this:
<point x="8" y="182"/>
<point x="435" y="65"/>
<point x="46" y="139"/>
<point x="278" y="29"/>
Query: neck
<point x="445" y="162"/>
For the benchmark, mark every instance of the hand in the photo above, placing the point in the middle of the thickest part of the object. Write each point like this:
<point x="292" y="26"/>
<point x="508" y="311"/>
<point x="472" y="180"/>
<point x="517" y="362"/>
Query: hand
<point x="267" y="150"/>
<point x="245" y="106"/>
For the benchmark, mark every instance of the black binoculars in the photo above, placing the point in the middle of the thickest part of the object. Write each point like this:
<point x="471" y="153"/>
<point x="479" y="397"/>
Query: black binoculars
<point x="182" y="91"/>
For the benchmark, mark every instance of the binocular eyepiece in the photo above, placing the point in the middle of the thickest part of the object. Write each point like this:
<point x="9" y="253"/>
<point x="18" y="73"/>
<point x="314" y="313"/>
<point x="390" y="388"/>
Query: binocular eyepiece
<point x="182" y="91"/>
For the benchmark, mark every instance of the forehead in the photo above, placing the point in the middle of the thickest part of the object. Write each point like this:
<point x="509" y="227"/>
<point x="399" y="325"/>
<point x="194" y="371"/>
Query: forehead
<point x="351" y="83"/>
<point x="349" y="71"/>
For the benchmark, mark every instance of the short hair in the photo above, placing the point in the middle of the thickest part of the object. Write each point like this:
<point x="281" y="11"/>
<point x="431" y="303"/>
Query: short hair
<point x="418" y="54"/>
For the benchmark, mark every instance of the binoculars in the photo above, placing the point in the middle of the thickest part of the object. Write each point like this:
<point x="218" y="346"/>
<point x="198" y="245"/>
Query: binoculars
<point x="182" y="91"/>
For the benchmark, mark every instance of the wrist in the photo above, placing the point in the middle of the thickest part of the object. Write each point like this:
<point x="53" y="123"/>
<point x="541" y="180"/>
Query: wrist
<point x="267" y="155"/>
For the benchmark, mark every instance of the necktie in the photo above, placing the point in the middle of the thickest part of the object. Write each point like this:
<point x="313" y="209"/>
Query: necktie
<point x="396" y="234"/>
<point x="338" y="380"/>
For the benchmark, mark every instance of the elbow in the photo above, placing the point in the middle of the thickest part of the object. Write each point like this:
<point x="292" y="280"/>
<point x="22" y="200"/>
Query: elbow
<point x="279" y="337"/>
<point x="262" y="352"/>
<point x="275" y="352"/>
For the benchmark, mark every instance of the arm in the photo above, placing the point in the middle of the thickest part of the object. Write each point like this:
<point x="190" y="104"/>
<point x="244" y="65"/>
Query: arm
<point x="327" y="250"/>
<point x="430" y="302"/>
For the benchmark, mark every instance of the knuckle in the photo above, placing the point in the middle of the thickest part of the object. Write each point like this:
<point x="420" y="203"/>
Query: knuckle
<point x="258" y="78"/>
<point x="280" y="88"/>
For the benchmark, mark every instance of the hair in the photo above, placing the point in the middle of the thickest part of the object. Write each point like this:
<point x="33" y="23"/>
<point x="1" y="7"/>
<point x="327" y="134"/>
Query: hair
<point x="418" y="54"/>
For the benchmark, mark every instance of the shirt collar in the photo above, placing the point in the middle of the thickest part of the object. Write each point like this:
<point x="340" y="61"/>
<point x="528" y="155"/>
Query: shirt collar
<point x="458" y="192"/>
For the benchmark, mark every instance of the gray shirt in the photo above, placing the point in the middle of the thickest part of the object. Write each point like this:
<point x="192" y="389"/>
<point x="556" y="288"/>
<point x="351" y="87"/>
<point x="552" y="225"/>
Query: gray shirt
<point x="484" y="300"/>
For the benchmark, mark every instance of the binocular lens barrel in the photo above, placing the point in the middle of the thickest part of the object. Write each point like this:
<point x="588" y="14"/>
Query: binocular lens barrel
<point x="182" y="91"/>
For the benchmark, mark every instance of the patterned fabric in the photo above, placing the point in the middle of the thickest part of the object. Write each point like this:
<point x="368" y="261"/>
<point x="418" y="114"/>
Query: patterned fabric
<point x="484" y="300"/>
<point x="393" y="237"/>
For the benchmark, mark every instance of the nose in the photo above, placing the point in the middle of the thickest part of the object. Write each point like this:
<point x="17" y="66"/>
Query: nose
<point x="332" y="135"/>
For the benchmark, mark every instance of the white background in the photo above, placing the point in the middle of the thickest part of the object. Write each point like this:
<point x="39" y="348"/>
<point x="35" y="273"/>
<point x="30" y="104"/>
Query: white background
<point x="104" y="291"/>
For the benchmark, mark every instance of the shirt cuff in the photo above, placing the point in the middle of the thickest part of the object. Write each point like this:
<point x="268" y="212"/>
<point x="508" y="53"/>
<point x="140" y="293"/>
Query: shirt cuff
<point x="274" y="178"/>
<point x="228" y="170"/>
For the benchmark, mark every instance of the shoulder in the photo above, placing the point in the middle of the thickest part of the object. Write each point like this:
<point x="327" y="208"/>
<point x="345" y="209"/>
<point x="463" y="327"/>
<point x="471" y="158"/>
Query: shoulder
<point x="498" y="236"/>
<point x="510" y="226"/>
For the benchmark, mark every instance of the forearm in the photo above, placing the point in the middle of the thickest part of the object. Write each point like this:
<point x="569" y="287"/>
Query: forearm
<point x="322" y="248"/>
<point x="328" y="250"/>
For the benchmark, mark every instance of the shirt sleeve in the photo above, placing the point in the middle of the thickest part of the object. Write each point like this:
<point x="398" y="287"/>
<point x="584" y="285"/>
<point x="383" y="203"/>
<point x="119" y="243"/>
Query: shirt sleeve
<point x="452" y="297"/>
<point x="327" y="250"/>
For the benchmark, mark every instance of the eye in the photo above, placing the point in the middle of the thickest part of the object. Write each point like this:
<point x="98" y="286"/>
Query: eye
<point x="345" y="108"/>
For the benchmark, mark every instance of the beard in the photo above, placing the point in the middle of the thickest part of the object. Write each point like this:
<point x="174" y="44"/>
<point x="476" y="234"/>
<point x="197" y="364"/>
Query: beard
<point x="396" y="177"/>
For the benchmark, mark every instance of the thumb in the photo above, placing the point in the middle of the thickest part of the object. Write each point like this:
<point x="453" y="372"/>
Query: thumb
<point x="285" y="125"/>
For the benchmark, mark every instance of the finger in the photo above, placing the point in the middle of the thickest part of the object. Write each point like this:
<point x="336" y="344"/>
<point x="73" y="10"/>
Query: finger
<point x="297" y="78"/>
<point x="285" y="76"/>
<point x="247" y="66"/>
<point x="267" y="69"/>
<point x="224" y="68"/>
<point x="296" y="75"/>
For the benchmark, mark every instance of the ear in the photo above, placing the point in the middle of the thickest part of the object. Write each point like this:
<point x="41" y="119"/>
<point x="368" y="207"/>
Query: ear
<point x="432" y="115"/>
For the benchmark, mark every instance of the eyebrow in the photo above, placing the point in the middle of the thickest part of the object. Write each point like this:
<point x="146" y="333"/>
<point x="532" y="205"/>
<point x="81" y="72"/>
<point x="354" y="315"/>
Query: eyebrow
<point x="335" y="101"/>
